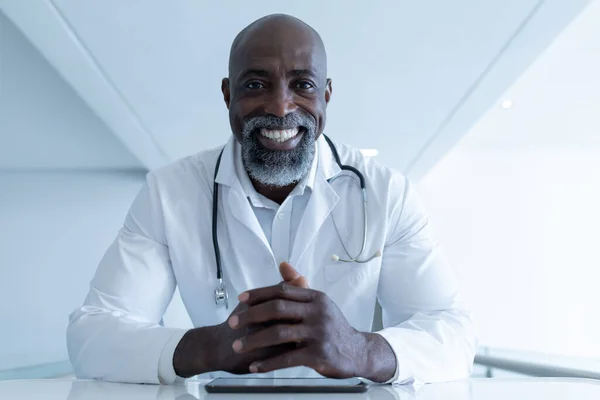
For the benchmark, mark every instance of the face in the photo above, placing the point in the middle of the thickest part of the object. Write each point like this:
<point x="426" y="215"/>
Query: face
<point x="277" y="95"/>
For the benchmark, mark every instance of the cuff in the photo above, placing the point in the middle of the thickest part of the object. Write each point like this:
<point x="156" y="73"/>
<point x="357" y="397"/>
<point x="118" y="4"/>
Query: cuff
<point x="166" y="371"/>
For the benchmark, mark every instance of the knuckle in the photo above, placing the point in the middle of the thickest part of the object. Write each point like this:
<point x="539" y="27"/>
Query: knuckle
<point x="284" y="288"/>
<point x="284" y="333"/>
<point x="279" y="307"/>
<point x="318" y="296"/>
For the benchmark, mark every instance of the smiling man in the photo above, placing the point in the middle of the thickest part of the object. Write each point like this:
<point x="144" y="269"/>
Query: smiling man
<point x="277" y="93"/>
<point x="277" y="221"/>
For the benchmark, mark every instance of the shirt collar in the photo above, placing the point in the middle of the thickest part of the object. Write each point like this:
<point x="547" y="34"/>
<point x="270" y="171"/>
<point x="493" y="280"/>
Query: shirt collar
<point x="231" y="168"/>
<point x="256" y="198"/>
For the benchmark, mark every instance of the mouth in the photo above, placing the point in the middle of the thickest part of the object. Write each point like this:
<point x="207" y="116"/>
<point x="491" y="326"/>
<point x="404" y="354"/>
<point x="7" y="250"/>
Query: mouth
<point x="280" y="139"/>
<point x="279" y="135"/>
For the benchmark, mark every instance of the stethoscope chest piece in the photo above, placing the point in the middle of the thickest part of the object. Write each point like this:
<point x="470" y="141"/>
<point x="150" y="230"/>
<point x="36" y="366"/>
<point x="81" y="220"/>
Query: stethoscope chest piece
<point x="221" y="297"/>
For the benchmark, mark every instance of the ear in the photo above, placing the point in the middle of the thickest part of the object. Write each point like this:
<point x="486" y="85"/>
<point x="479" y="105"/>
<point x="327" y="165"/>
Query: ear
<point x="328" y="91"/>
<point x="226" y="91"/>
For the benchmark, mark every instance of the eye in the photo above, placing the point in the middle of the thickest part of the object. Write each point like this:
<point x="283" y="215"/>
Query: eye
<point x="254" y="85"/>
<point x="304" y="85"/>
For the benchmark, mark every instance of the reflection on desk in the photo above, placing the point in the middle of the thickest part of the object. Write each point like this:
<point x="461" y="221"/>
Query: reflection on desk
<point x="474" y="389"/>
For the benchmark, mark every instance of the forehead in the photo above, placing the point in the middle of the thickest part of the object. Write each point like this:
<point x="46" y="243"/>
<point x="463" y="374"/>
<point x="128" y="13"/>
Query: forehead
<point x="279" y="51"/>
<point x="279" y="59"/>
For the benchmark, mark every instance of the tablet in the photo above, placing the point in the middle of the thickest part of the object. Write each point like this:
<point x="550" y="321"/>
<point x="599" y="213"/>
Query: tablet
<point x="286" y="385"/>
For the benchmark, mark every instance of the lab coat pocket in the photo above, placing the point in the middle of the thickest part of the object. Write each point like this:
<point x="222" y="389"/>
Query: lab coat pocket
<point x="351" y="286"/>
<point x="349" y="274"/>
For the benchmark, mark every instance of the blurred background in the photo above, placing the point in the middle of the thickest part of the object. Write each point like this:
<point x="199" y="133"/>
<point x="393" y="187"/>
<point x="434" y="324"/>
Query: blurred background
<point x="491" y="107"/>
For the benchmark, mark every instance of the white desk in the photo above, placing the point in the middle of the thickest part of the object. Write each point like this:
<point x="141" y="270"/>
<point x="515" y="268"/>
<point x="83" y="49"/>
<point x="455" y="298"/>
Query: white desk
<point x="475" y="389"/>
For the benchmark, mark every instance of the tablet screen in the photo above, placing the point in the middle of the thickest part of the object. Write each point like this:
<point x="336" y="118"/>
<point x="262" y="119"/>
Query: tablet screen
<point x="281" y="382"/>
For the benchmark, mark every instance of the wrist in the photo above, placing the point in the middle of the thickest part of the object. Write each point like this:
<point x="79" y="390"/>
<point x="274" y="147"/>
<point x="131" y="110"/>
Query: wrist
<point x="195" y="352"/>
<point x="378" y="361"/>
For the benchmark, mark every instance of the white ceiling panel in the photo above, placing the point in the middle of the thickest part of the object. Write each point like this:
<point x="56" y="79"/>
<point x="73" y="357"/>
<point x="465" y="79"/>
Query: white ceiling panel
<point x="43" y="123"/>
<point x="402" y="71"/>
<point x="556" y="102"/>
<point x="397" y="67"/>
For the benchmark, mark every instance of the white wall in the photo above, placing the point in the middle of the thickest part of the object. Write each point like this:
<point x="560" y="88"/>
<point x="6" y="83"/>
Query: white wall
<point x="522" y="227"/>
<point x="516" y="203"/>
<point x="54" y="226"/>
<point x="54" y="229"/>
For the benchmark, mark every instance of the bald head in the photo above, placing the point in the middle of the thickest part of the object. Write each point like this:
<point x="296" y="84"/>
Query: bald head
<point x="277" y="33"/>
<point x="277" y="93"/>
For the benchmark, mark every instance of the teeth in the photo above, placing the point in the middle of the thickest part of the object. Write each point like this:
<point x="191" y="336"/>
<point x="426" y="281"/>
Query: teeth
<point x="279" y="136"/>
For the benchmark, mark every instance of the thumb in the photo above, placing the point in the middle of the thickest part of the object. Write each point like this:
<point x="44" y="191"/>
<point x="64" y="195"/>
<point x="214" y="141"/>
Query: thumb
<point x="291" y="276"/>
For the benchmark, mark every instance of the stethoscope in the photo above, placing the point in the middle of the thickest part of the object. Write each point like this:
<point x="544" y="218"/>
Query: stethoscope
<point x="221" y="297"/>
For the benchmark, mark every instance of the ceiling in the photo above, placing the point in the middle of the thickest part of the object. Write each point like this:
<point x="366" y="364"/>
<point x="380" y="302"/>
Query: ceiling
<point x="35" y="99"/>
<point x="410" y="78"/>
<point x="556" y="102"/>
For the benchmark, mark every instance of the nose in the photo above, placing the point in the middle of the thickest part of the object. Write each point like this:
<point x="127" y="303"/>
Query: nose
<point x="281" y="101"/>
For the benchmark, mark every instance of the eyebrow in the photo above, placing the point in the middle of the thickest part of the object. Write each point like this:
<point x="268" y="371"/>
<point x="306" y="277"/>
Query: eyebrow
<point x="265" y="73"/>
<point x="254" y="72"/>
<point x="307" y="72"/>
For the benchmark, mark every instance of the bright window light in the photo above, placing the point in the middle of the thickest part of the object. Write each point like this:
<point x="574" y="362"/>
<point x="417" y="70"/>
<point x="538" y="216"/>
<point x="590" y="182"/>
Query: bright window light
<point x="369" y="152"/>
<point x="506" y="104"/>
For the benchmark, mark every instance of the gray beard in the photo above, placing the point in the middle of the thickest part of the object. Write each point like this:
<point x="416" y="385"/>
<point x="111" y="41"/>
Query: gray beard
<point x="278" y="168"/>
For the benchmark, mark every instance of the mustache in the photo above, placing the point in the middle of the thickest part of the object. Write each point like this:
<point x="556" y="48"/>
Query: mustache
<point x="291" y="120"/>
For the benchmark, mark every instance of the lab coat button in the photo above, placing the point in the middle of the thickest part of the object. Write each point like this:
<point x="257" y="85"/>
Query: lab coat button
<point x="281" y="216"/>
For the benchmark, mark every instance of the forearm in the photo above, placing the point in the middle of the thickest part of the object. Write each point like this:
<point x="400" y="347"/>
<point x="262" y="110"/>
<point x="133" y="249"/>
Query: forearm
<point x="433" y="347"/>
<point x="378" y="364"/>
<point x="105" y="345"/>
<point x="197" y="352"/>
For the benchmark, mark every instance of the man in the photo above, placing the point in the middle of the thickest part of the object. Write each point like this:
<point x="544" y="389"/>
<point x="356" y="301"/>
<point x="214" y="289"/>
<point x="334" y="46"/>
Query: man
<point x="287" y="215"/>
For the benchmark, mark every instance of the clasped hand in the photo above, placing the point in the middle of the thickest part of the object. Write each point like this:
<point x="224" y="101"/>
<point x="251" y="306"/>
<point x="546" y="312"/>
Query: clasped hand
<point x="304" y="324"/>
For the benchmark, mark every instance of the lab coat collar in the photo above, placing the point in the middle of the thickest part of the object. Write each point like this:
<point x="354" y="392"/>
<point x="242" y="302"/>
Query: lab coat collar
<point x="328" y="168"/>
<point x="226" y="175"/>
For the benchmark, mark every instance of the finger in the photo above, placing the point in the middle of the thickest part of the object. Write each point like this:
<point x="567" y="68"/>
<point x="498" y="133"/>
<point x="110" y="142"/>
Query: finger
<point x="294" y="358"/>
<point x="288" y="273"/>
<point x="300" y="282"/>
<point x="271" y="336"/>
<point x="281" y="291"/>
<point x="291" y="276"/>
<point x="272" y="310"/>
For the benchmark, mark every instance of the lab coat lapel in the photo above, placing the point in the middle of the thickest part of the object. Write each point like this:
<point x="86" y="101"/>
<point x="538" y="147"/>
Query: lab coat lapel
<point x="322" y="201"/>
<point x="235" y="202"/>
<point x="240" y="209"/>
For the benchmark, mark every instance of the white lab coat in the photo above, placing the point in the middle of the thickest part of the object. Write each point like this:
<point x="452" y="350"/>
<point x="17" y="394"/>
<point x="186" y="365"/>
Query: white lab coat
<point x="166" y="242"/>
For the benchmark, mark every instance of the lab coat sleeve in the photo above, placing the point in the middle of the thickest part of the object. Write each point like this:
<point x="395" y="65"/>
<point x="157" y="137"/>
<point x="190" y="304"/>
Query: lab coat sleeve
<point x="425" y="322"/>
<point x="117" y="334"/>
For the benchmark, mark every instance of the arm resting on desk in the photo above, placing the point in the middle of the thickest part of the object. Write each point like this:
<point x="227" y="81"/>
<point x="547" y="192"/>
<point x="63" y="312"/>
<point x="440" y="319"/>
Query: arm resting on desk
<point x="116" y="335"/>
<point x="425" y="323"/>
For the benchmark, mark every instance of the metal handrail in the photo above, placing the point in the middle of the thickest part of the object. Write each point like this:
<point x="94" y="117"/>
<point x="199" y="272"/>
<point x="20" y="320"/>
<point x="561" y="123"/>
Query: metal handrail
<point x="534" y="368"/>
<point x="39" y="371"/>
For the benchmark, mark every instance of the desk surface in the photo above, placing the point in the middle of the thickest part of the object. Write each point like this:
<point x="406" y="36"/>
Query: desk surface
<point x="474" y="389"/>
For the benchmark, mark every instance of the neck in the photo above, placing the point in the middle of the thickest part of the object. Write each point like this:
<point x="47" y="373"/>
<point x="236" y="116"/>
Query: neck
<point x="277" y="194"/>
